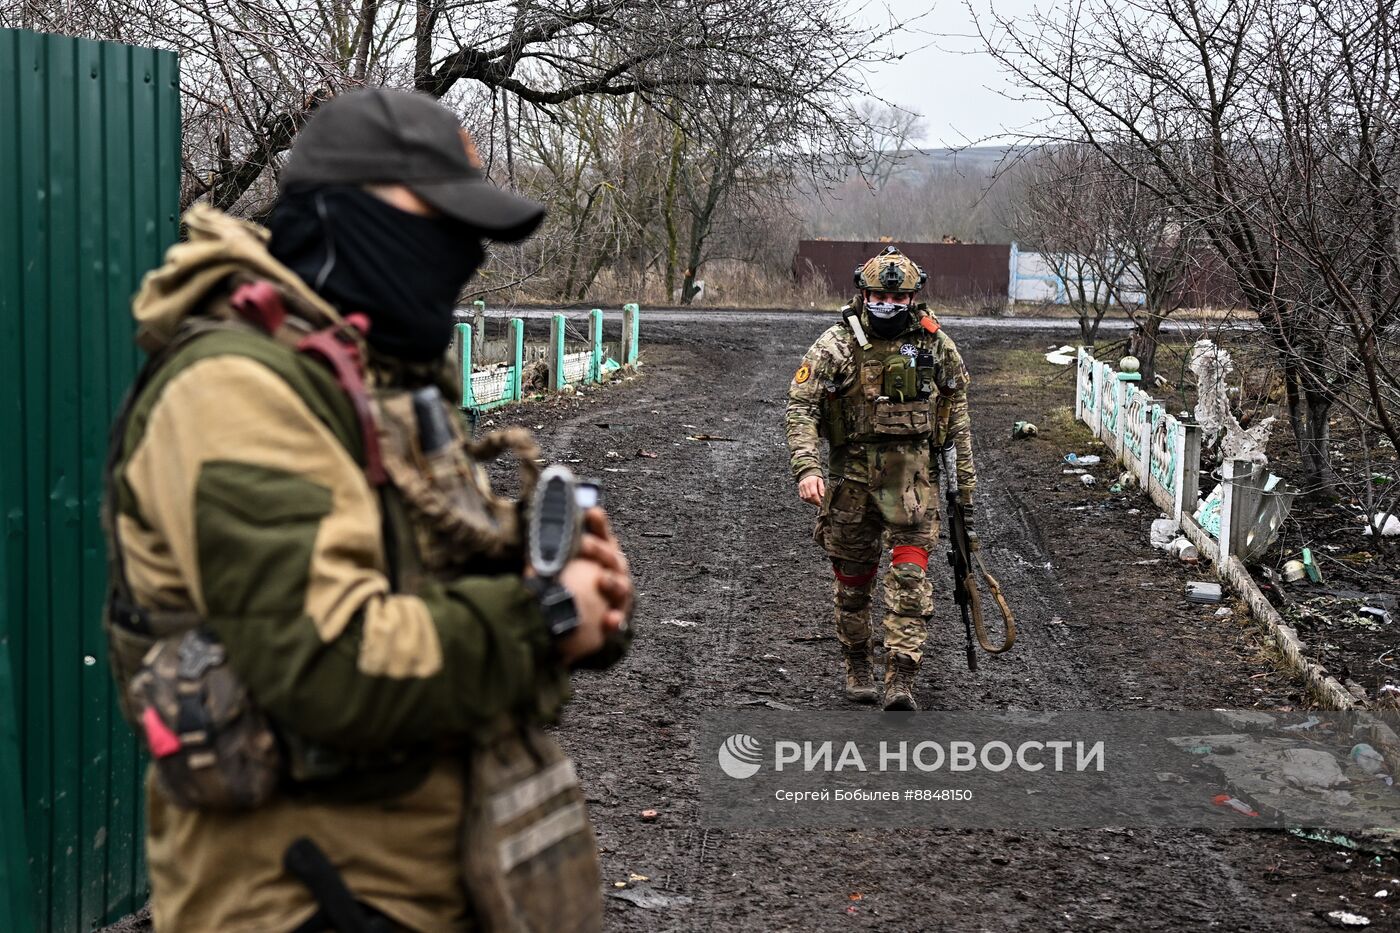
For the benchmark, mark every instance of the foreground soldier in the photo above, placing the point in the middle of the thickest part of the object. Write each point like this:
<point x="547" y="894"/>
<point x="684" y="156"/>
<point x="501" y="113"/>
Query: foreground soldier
<point x="319" y="618"/>
<point x="887" y="389"/>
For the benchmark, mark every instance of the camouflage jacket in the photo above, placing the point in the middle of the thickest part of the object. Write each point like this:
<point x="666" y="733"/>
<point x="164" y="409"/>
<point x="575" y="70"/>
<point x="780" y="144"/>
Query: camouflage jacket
<point x="240" y="495"/>
<point x="830" y="368"/>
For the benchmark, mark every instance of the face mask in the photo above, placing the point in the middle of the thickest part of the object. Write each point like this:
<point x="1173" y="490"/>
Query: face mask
<point x="887" y="319"/>
<point x="401" y="270"/>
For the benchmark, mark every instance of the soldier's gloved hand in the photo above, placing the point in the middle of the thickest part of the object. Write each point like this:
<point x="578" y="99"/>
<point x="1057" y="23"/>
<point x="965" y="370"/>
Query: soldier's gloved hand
<point x="812" y="489"/>
<point x="969" y="519"/>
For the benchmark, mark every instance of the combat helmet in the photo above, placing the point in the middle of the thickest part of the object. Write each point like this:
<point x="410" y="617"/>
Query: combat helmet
<point x="891" y="271"/>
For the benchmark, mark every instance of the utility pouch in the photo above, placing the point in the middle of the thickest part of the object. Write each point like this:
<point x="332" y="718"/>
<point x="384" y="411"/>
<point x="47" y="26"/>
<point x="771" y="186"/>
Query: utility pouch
<point x="213" y="749"/>
<point x="833" y="417"/>
<point x="530" y="861"/>
<point x="901" y="378"/>
<point x="903" y="419"/>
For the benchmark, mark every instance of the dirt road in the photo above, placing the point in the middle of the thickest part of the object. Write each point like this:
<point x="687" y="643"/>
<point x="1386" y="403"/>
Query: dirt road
<point x="720" y="540"/>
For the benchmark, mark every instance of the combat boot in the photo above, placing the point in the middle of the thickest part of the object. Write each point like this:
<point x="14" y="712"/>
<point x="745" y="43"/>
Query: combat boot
<point x="860" y="677"/>
<point x="900" y="671"/>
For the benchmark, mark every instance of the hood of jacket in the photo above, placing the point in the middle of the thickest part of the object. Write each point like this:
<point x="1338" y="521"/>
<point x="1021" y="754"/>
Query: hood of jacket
<point x="216" y="248"/>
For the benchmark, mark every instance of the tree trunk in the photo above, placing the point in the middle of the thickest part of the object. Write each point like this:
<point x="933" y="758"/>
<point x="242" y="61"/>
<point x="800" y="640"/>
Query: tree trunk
<point x="1143" y="345"/>
<point x="673" y="240"/>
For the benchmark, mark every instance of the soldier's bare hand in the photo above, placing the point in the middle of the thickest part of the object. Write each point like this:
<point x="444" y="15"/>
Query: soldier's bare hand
<point x="584" y="579"/>
<point x="601" y="546"/>
<point x="812" y="489"/>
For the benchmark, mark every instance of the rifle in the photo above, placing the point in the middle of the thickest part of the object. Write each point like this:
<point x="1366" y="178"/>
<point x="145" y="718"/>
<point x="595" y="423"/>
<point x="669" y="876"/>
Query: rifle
<point x="960" y="556"/>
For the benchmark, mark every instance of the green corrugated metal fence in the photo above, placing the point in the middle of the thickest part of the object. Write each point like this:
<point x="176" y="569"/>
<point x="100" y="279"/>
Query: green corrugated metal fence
<point x="89" y="186"/>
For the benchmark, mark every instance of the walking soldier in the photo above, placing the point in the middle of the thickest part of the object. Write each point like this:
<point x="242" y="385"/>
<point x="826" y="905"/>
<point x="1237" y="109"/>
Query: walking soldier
<point x="887" y="389"/>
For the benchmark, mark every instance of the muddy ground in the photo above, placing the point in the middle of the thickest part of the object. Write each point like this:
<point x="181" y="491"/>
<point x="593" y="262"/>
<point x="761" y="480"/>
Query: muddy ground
<point x="718" y="538"/>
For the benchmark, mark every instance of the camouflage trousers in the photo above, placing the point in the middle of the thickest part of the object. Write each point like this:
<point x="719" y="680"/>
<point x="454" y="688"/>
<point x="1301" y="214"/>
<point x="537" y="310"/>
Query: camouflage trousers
<point x="855" y="526"/>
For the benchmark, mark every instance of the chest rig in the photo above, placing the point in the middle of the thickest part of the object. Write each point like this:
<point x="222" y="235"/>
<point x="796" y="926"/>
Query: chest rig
<point x="893" y="395"/>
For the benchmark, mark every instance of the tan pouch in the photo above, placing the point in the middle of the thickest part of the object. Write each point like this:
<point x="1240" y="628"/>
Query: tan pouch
<point x="530" y="860"/>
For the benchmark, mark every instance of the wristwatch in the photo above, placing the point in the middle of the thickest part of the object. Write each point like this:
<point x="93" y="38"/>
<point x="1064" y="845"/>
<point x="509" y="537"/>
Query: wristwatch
<point x="557" y="605"/>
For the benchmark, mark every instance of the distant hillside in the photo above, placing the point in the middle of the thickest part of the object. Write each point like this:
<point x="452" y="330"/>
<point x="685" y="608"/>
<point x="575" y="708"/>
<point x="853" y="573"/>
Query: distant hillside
<point x="925" y="195"/>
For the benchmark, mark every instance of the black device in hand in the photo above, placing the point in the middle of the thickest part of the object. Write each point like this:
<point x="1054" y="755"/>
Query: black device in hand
<point x="554" y="533"/>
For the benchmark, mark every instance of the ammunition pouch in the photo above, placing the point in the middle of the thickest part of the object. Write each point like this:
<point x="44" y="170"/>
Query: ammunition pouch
<point x="530" y="860"/>
<point x="212" y="747"/>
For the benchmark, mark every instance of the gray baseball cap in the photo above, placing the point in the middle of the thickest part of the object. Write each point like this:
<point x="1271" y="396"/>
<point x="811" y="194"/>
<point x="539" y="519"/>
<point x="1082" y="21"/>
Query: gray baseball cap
<point x="390" y="136"/>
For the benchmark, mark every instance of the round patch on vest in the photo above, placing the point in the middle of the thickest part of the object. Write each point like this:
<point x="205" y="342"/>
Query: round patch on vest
<point x="909" y="350"/>
<point x="804" y="372"/>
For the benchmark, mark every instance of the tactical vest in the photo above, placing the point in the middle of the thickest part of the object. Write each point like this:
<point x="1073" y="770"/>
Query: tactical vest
<point x="529" y="855"/>
<point x="893" y="397"/>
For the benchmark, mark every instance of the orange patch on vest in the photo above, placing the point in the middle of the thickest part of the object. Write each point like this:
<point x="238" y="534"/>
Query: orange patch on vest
<point x="804" y="372"/>
<point x="929" y="324"/>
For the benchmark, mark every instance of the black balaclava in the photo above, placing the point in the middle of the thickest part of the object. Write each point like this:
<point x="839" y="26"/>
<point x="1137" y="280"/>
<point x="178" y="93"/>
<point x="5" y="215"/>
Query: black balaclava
<point x="403" y="271"/>
<point x="887" y="319"/>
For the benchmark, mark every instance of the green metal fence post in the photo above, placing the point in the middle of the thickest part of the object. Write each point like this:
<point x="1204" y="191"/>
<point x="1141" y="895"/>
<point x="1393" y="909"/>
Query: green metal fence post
<point x="595" y="345"/>
<point x="556" y="353"/>
<point x="464" y="363"/>
<point x="631" y="333"/>
<point x="516" y="390"/>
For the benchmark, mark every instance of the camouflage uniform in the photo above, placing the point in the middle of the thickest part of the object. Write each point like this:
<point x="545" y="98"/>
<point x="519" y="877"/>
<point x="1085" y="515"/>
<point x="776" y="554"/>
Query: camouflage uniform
<point x="880" y="468"/>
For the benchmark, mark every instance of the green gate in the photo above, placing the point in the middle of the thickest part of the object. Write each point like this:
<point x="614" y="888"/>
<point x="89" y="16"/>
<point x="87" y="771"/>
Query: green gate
<point x="89" y="198"/>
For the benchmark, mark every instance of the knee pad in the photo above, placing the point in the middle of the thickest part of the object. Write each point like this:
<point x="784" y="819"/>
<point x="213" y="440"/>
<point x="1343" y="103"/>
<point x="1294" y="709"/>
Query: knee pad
<point x="857" y="580"/>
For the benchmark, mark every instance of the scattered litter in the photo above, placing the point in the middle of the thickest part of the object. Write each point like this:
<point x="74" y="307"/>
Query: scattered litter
<point x="613" y="455"/>
<point x="658" y="534"/>
<point x="1234" y="803"/>
<point x="1062" y="356"/>
<point x="1381" y="893"/>
<point x="1224" y="612"/>
<point x="1294" y="571"/>
<point x="1183" y="550"/>
<point x="648" y="899"/>
<point x="1345" y="918"/>
<point x="614" y="469"/>
<point x="1115" y="488"/>
<point x="1332" y="839"/>
<point x="1367" y="758"/>
<point x="1023" y="429"/>
<point x="1377" y="613"/>
<point x="1203" y="592"/>
<point x="1075" y="460"/>
<point x="1309" y="768"/>
<point x="619" y="884"/>
<point x="1134" y="511"/>
<point x="1073" y="471"/>
<point x="1087" y="480"/>
<point x="1303" y="726"/>
<point x="1389" y="690"/>
<point x="1127" y="480"/>
<point x="1164" y="532"/>
<point x="1170" y="777"/>
<point x="1388" y="523"/>
<point x="855" y="896"/>
<point x="646" y="454"/>
<point x="681" y="623"/>
<point x="771" y="704"/>
<point x="649" y="816"/>
<point x="709" y="437"/>
<point x="1310" y="566"/>
<point x="633" y="876"/>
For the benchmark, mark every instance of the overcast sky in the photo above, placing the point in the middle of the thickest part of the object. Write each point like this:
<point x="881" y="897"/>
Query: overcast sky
<point x="945" y="75"/>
